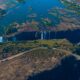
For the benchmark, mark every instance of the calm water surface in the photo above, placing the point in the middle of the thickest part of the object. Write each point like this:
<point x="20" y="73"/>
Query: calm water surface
<point x="20" y="12"/>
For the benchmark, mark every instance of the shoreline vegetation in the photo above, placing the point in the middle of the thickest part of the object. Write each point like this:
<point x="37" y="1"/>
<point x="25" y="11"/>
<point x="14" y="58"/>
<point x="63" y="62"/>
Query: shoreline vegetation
<point x="23" y="60"/>
<point x="8" y="49"/>
<point x="53" y="46"/>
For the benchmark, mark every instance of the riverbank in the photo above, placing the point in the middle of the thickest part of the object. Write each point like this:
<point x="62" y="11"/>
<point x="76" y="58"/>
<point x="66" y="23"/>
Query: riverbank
<point x="35" y="61"/>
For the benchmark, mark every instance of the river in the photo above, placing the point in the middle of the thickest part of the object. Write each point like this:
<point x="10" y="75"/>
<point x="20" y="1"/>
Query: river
<point x="20" y="11"/>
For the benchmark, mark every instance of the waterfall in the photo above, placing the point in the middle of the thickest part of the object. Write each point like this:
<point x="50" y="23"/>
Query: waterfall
<point x="45" y="35"/>
<point x="49" y="35"/>
<point x="36" y="34"/>
<point x="42" y="35"/>
<point x="1" y="39"/>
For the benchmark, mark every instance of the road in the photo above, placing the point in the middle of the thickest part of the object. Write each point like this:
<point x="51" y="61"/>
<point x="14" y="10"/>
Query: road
<point x="17" y="55"/>
<point x="77" y="56"/>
